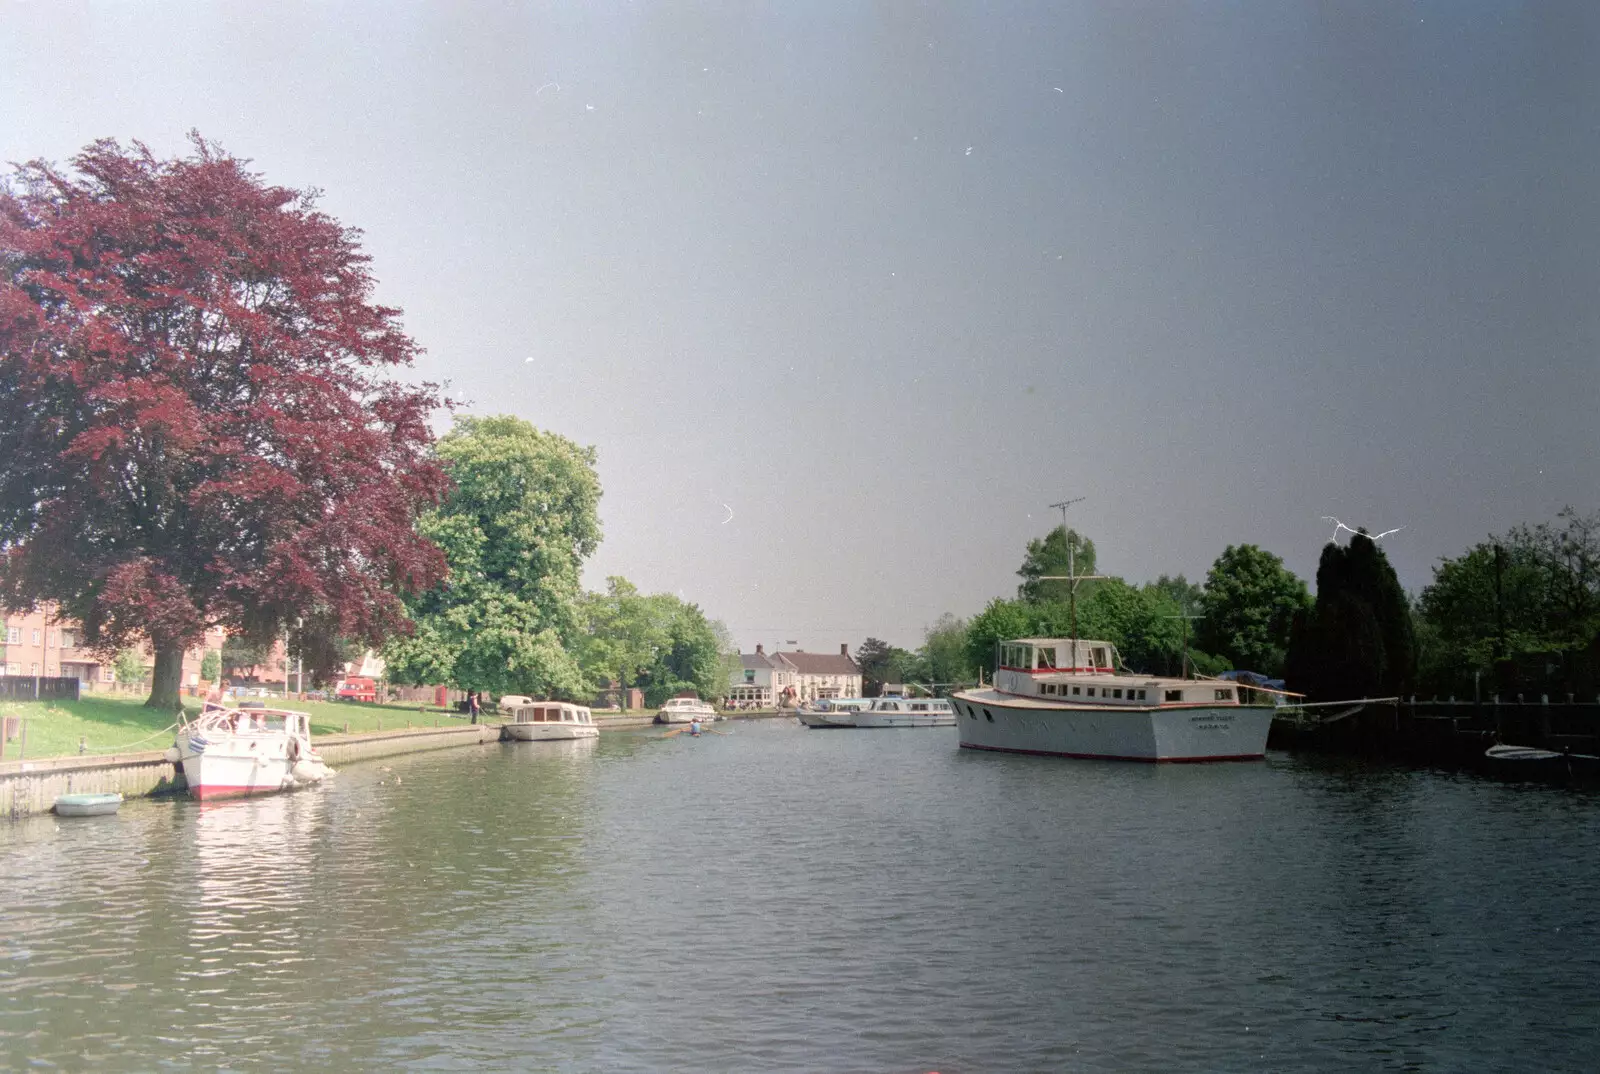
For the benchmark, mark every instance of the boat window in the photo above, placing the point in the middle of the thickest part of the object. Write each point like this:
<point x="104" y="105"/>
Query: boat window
<point x="1224" y="695"/>
<point x="1091" y="691"/>
<point x="971" y="715"/>
<point x="1099" y="656"/>
<point x="1074" y="691"/>
<point x="890" y="706"/>
<point x="919" y="708"/>
<point x="1174" y="695"/>
<point x="1141" y="695"/>
<point x="1117" y="692"/>
<point x="988" y="715"/>
<point x="1047" y="659"/>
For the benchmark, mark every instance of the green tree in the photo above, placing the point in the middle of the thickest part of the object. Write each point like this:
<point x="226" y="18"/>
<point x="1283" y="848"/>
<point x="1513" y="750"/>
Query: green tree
<point x="1062" y="552"/>
<point x="1357" y="640"/>
<point x="129" y="667"/>
<point x="515" y="530"/>
<point x="1248" y="604"/>
<point x="1536" y="589"/>
<point x="944" y="651"/>
<point x="658" y="643"/>
<point x="211" y="666"/>
<point x="883" y="663"/>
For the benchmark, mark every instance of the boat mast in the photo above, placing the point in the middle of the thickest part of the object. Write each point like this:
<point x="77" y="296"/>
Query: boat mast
<point x="1071" y="577"/>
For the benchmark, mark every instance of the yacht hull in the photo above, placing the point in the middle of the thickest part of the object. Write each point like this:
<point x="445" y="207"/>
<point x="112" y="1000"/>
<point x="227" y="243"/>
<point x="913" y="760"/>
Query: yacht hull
<point x="989" y="720"/>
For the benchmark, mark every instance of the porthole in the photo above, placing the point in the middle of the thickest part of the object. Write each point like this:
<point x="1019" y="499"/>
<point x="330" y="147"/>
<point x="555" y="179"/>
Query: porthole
<point x="988" y="715"/>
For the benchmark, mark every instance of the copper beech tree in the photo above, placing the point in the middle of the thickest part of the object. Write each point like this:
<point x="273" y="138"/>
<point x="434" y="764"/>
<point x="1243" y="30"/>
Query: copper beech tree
<point x="199" y="421"/>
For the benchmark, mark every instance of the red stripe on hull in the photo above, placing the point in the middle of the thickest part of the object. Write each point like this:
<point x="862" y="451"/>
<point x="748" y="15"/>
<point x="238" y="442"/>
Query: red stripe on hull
<point x="209" y="791"/>
<point x="1114" y="757"/>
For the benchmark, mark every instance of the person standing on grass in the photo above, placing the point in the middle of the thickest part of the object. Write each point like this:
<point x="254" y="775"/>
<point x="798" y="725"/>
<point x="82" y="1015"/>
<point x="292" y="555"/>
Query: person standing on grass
<point x="472" y="704"/>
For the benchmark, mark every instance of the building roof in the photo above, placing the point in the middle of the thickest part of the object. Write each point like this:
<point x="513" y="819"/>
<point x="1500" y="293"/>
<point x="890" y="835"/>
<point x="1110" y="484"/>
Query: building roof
<point x="821" y="663"/>
<point x="754" y="661"/>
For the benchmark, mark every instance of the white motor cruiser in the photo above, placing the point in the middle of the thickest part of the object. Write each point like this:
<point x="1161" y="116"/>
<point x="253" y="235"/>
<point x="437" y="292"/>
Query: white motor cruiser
<point x="230" y="752"/>
<point x="686" y="710"/>
<point x="544" y="721"/>
<point x="883" y="712"/>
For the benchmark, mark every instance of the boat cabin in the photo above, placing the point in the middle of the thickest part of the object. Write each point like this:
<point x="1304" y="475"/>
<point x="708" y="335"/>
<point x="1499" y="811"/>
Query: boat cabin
<point x="254" y="721"/>
<point x="1030" y="655"/>
<point x="906" y="704"/>
<point x="1082" y="672"/>
<point x="551" y="712"/>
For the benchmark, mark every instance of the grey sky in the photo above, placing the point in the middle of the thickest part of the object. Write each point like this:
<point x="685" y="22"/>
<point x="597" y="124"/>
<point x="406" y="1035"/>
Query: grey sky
<point x="889" y="279"/>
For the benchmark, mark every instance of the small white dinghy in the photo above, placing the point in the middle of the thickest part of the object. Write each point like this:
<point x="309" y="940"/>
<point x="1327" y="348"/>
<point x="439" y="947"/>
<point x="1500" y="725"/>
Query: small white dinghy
<point x="87" y="805"/>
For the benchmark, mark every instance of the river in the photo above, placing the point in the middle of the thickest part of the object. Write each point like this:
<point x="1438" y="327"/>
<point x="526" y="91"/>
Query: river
<point x="777" y="899"/>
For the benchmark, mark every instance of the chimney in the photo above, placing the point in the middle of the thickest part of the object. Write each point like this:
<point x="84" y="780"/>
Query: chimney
<point x="759" y="650"/>
<point x="844" y="650"/>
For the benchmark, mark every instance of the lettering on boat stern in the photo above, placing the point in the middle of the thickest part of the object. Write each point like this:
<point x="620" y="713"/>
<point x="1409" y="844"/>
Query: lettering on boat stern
<point x="1211" y="721"/>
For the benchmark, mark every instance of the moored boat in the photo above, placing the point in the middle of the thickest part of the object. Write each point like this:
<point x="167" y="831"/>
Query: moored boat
<point x="884" y="712"/>
<point x="232" y="752"/>
<point x="1064" y="697"/>
<point x="546" y="721"/>
<point x="87" y="805"/>
<point x="686" y="710"/>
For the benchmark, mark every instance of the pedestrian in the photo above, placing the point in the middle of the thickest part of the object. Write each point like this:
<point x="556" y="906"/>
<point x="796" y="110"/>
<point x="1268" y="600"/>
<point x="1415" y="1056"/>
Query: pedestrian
<point x="472" y="704"/>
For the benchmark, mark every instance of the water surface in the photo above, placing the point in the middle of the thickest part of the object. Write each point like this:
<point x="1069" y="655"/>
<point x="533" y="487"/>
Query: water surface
<point x="778" y="899"/>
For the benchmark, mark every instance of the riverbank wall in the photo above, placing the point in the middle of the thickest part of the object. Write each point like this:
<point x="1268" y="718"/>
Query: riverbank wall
<point x="1447" y="734"/>
<point x="29" y="787"/>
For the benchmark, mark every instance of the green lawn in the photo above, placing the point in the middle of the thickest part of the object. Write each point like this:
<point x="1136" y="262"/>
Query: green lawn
<point x="106" y="724"/>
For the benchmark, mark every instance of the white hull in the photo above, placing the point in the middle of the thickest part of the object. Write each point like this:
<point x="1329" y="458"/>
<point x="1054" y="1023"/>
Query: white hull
<point x="219" y="764"/>
<point x="682" y="716"/>
<point x="877" y="719"/>
<point x="549" y="732"/>
<point x="990" y="720"/>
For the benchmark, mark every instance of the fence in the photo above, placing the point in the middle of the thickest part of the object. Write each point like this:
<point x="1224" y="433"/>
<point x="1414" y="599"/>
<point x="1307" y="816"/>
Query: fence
<point x="38" y="688"/>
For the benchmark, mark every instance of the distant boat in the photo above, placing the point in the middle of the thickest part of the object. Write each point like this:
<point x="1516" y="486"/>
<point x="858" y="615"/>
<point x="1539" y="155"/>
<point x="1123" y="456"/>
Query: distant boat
<point x="884" y="712"/>
<point x="1063" y="697"/>
<point x="87" y="805"/>
<point x="547" y="721"/>
<point x="686" y="710"/>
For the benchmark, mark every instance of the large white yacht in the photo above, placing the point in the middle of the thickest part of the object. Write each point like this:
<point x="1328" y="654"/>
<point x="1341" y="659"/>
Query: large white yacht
<point x="1064" y="697"/>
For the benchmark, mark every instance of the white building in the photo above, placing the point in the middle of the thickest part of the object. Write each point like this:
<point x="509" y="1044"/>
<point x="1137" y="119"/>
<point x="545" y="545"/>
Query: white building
<point x="760" y="680"/>
<point x="822" y="674"/>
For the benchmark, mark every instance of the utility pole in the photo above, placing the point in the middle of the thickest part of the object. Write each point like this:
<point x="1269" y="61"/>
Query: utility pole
<point x="1184" y="668"/>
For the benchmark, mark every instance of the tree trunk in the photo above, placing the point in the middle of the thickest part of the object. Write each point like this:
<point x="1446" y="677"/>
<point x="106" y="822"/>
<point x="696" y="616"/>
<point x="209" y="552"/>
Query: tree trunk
<point x="167" y="678"/>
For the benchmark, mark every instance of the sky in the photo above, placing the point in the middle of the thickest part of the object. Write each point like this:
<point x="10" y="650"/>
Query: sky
<point x="846" y="295"/>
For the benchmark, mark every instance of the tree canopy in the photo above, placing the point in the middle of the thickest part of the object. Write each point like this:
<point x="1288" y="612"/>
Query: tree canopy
<point x="658" y="643"/>
<point x="1535" y="589"/>
<point x="1061" y="552"/>
<point x="1249" y="602"/>
<point x="515" y="529"/>
<point x="199" y="424"/>
<point x="1357" y="640"/>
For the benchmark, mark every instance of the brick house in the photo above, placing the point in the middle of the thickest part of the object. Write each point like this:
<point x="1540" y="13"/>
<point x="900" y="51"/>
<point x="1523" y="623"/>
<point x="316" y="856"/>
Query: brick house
<point x="37" y="643"/>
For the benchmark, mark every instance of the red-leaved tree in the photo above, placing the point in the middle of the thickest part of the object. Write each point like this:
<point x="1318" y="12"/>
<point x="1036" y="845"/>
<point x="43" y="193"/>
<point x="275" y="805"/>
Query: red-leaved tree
<point x="199" y="422"/>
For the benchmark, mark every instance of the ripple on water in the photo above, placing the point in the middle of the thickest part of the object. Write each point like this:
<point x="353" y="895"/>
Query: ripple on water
<point x="788" y="900"/>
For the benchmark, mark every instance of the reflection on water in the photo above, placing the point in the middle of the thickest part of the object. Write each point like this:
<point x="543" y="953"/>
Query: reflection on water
<point x="777" y="899"/>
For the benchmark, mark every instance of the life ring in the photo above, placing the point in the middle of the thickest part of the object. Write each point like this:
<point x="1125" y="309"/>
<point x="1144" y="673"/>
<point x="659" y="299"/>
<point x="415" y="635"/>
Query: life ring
<point x="294" y="750"/>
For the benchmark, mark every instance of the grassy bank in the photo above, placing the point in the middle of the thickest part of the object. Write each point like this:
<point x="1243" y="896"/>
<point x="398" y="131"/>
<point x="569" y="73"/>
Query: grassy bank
<point x="104" y="725"/>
